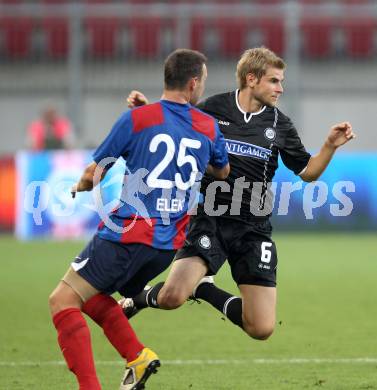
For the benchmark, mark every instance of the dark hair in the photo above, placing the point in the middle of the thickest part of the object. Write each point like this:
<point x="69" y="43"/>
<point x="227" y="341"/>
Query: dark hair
<point x="181" y="66"/>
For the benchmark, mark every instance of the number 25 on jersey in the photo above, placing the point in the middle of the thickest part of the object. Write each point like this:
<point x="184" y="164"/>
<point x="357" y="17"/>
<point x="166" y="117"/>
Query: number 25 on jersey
<point x="154" y="180"/>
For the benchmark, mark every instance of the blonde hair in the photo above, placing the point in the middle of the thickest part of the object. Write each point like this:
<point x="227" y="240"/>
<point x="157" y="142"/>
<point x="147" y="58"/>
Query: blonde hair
<point x="256" y="61"/>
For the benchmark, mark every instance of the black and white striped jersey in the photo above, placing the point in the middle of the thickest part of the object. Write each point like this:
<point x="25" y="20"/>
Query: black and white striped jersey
<point x="254" y="142"/>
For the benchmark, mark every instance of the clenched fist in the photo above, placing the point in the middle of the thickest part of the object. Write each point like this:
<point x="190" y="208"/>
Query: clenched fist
<point x="136" y="99"/>
<point x="340" y="134"/>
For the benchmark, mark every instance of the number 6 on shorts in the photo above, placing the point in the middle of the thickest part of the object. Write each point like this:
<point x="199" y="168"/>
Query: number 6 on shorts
<point x="265" y="252"/>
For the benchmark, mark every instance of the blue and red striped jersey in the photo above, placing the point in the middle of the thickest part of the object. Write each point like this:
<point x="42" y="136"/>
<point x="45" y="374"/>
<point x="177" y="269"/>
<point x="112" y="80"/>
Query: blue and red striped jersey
<point x="167" y="147"/>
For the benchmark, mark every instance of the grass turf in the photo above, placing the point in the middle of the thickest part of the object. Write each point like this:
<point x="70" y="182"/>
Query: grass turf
<point x="326" y="310"/>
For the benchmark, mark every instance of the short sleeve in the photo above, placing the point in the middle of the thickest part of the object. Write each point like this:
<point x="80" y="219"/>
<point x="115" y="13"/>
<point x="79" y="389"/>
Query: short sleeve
<point x="219" y="157"/>
<point x="294" y="155"/>
<point x="117" y="142"/>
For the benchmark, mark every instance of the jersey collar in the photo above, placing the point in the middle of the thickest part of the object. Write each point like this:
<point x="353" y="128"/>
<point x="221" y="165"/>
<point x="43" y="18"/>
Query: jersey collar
<point x="171" y="103"/>
<point x="247" y="115"/>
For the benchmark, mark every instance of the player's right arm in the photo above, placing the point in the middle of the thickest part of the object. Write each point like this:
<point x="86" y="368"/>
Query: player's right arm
<point x="91" y="176"/>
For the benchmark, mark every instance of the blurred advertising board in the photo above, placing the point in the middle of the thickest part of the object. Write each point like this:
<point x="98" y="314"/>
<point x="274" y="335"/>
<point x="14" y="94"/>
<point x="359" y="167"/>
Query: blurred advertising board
<point x="7" y="193"/>
<point x="45" y="208"/>
<point x="343" y="198"/>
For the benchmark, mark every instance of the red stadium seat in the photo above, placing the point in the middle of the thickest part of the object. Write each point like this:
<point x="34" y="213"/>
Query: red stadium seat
<point x="269" y="2"/>
<point x="102" y="32"/>
<point x="16" y="31"/>
<point x="57" y="36"/>
<point x="316" y="34"/>
<point x="56" y="29"/>
<point x="359" y="37"/>
<point x="146" y="33"/>
<point x="17" y="36"/>
<point x="271" y="27"/>
<point x="232" y="33"/>
<point x="359" y="33"/>
<point x="197" y="30"/>
<point x="232" y="36"/>
<point x="273" y="33"/>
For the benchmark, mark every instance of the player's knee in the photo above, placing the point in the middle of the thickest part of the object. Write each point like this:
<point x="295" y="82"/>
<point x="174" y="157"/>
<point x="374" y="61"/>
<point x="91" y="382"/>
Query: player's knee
<point x="258" y="331"/>
<point x="170" y="299"/>
<point x="54" y="302"/>
<point x="263" y="334"/>
<point x="59" y="300"/>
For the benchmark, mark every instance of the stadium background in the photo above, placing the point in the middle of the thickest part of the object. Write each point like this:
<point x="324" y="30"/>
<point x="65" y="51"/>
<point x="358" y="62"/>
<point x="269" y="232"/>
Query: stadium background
<point x="84" y="57"/>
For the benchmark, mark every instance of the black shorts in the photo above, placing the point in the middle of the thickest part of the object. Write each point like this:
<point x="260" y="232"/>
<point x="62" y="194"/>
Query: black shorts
<point x="110" y="266"/>
<point x="247" y="246"/>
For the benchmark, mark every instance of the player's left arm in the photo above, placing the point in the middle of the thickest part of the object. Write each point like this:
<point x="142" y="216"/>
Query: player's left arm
<point x="91" y="176"/>
<point x="339" y="135"/>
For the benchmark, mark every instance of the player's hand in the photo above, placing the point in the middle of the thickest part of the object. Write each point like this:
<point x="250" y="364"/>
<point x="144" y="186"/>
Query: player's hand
<point x="74" y="190"/>
<point x="136" y="99"/>
<point x="340" y="134"/>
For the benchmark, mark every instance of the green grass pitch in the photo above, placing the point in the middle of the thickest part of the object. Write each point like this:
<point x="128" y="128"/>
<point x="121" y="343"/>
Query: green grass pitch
<point x="325" y="338"/>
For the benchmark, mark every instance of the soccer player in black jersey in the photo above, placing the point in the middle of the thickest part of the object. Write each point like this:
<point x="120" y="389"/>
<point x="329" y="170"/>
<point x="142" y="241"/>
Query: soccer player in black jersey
<point x="233" y="222"/>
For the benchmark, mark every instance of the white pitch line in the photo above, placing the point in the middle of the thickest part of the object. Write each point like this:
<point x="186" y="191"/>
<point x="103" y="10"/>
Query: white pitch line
<point x="182" y="362"/>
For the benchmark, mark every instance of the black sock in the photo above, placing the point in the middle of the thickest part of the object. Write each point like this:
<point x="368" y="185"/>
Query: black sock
<point x="148" y="298"/>
<point x="229" y="305"/>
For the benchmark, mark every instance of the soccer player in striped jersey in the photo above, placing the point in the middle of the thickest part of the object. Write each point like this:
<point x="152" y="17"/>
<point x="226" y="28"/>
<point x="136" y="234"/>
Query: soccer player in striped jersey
<point x="234" y="221"/>
<point x="168" y="146"/>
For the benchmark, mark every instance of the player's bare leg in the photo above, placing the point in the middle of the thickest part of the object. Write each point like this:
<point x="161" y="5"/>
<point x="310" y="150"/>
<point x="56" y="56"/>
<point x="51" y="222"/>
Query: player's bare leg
<point x="184" y="275"/>
<point x="258" y="310"/>
<point x="64" y="296"/>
